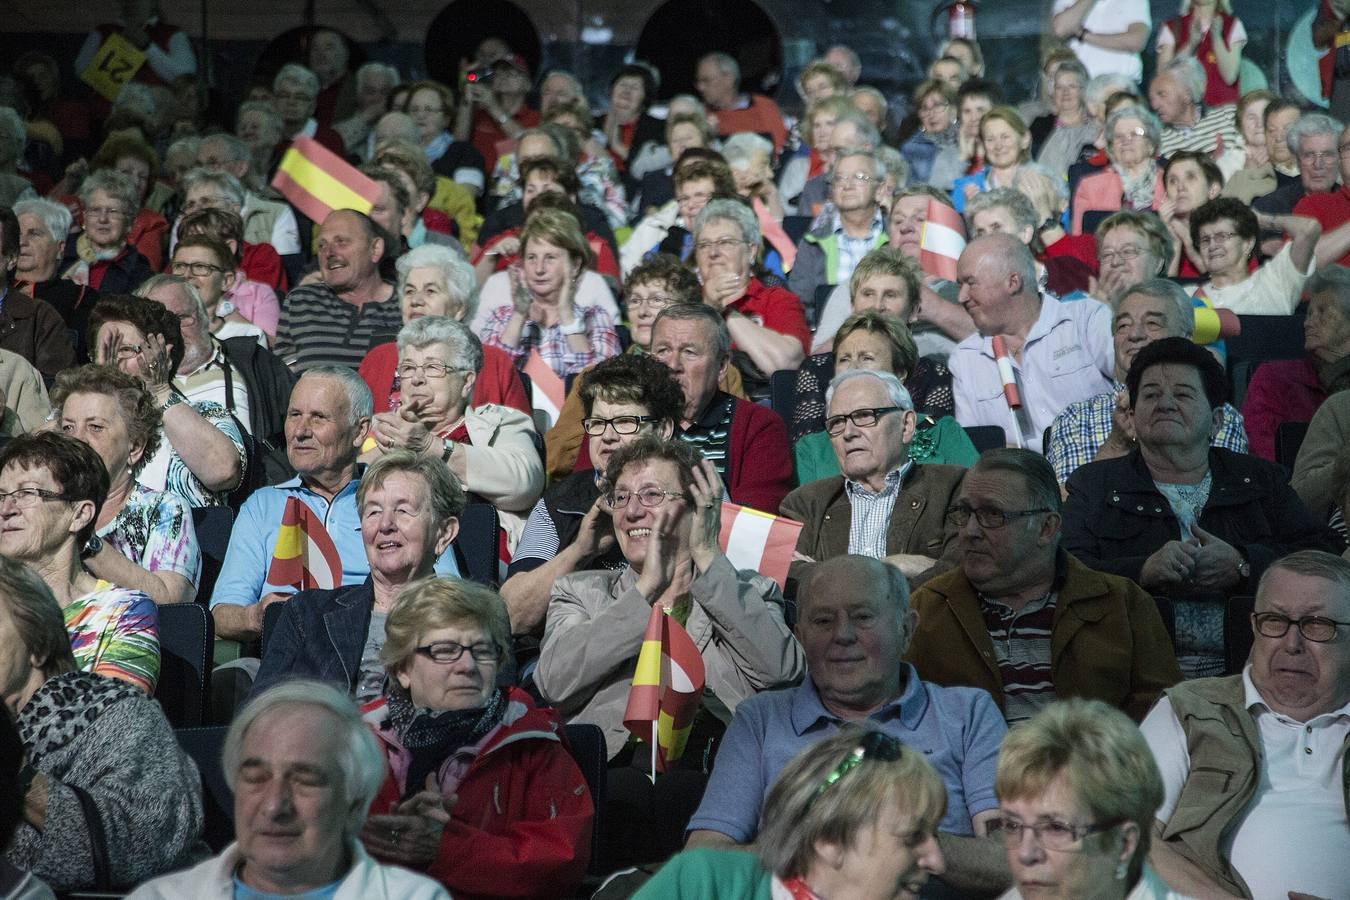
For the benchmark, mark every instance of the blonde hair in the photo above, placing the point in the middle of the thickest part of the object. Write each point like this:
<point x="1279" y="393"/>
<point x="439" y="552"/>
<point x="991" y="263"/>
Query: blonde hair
<point x="432" y="603"/>
<point x="561" y="229"/>
<point x="1011" y="118"/>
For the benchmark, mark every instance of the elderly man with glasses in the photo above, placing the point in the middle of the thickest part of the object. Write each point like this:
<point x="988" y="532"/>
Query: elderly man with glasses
<point x="883" y="505"/>
<point x="1256" y="782"/>
<point x="1024" y="619"/>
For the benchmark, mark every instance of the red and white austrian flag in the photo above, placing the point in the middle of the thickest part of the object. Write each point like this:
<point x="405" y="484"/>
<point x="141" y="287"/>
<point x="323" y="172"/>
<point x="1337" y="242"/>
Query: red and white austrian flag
<point x="941" y="241"/>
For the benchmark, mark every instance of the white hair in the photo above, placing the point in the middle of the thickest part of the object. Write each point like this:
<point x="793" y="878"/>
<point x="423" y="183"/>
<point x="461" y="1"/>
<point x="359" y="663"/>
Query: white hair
<point x="460" y="282"/>
<point x="895" y="389"/>
<point x="466" y="351"/>
<point x="55" y="217"/>
<point x="226" y="183"/>
<point x="298" y="75"/>
<point x="360" y="403"/>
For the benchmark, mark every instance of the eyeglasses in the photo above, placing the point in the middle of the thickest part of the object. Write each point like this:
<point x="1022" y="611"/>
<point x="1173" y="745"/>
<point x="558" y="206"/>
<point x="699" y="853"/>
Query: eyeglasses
<point x="595" y="426"/>
<point x="434" y="110"/>
<point x="934" y="107"/>
<point x="105" y="212"/>
<point x="449" y="651"/>
<point x="859" y="177"/>
<point x="1130" y="135"/>
<point x="1317" y="156"/>
<point x="1124" y="254"/>
<point x="1318" y="629"/>
<point x="656" y="301"/>
<point x="1217" y="237"/>
<point x="26" y="498"/>
<point x="431" y="371"/>
<point x="863" y="418"/>
<point x="1052" y="834"/>
<point x="725" y="245"/>
<point x="700" y="197"/>
<point x="127" y="351"/>
<point x="872" y="745"/>
<point x="200" y="269"/>
<point x="650" y="497"/>
<point x="987" y="516"/>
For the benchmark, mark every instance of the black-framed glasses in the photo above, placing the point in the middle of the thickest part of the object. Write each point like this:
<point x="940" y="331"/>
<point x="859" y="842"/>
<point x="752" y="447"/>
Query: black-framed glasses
<point x="26" y="498"/>
<point x="872" y="745"/>
<point x="988" y="516"/>
<point x="650" y="497"/>
<point x="863" y="418"/>
<point x="1318" y="629"/>
<point x="450" y="651"/>
<point x="1051" y="834"/>
<point x="595" y="426"/>
<point x="431" y="371"/>
<point x="200" y="269"/>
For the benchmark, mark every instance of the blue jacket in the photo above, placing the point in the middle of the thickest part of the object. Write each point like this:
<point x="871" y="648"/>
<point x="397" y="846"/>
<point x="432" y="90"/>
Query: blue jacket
<point x="320" y="635"/>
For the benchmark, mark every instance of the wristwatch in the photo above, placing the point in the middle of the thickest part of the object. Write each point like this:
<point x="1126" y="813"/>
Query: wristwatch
<point x="1244" y="569"/>
<point x="175" y="398"/>
<point x="447" y="448"/>
<point x="576" y="326"/>
<point x="92" y="546"/>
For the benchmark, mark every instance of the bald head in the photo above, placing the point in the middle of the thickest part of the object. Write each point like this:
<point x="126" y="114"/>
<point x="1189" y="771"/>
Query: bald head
<point x="997" y="277"/>
<point x="397" y="125"/>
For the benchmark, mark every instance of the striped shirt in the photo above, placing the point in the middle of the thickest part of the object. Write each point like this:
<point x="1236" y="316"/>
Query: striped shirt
<point x="870" y="516"/>
<point x="1212" y="133"/>
<point x="1022" y="646"/>
<point x="711" y="434"/>
<point x="318" y="328"/>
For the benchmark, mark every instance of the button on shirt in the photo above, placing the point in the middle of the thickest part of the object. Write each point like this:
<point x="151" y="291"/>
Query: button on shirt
<point x="871" y="513"/>
<point x="1068" y="356"/>
<point x="851" y="249"/>
<point x="1295" y="835"/>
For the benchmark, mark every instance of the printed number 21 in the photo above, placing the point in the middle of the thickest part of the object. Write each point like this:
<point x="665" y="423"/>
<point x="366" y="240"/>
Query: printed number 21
<point x="117" y="69"/>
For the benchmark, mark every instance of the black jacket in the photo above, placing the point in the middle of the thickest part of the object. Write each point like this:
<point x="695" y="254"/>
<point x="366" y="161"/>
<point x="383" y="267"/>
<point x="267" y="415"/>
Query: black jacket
<point x="269" y="384"/>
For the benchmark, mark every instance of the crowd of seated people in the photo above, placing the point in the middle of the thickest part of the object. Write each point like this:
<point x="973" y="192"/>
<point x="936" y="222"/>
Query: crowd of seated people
<point x="1003" y="393"/>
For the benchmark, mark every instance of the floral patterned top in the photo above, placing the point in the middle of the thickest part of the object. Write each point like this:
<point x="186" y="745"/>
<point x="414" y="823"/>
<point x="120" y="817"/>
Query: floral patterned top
<point x="154" y="530"/>
<point x="115" y="632"/>
<point x="166" y="471"/>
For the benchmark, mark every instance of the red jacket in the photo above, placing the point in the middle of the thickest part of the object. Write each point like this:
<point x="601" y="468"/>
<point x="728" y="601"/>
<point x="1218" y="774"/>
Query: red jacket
<point x="521" y="822"/>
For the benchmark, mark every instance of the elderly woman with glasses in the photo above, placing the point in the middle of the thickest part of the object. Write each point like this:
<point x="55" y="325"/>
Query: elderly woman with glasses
<point x="98" y="751"/>
<point x="435" y="281"/>
<point x="1133" y="180"/>
<point x="101" y="257"/>
<point x="489" y="448"/>
<point x="481" y="794"/>
<point x="936" y="138"/>
<point x="1225" y="231"/>
<point x="1195" y="523"/>
<point x="1078" y="790"/>
<point x="854" y="815"/>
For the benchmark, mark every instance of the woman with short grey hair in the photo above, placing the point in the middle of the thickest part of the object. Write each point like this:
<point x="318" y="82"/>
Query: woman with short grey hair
<point x="101" y="257"/>
<point x="1134" y="179"/>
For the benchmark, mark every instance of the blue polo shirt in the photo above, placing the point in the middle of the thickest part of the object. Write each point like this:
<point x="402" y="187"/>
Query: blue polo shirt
<point x="958" y="730"/>
<point x="243" y="574"/>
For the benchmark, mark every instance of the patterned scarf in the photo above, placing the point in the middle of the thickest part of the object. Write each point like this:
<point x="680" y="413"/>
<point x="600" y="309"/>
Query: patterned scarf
<point x="1137" y="192"/>
<point x="432" y="736"/>
<point x="84" y="249"/>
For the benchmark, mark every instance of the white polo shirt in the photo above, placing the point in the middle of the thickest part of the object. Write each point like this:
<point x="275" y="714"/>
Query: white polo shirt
<point x="1294" y="835"/>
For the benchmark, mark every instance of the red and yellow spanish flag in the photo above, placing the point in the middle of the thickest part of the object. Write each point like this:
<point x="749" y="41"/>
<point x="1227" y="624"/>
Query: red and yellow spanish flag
<point x="941" y="241"/>
<point x="753" y="539"/>
<point x="667" y="688"/>
<point x="305" y="556"/>
<point x="317" y="181"/>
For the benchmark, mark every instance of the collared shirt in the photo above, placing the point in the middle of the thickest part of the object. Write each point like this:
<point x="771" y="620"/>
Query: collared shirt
<point x="853" y="249"/>
<point x="1068" y="356"/>
<point x="207" y="384"/>
<point x="1214" y="129"/>
<point x="552" y="344"/>
<point x="870" y="518"/>
<point x="1079" y="432"/>
<point x="957" y="729"/>
<point x="318" y="327"/>
<point x="711" y="434"/>
<point x="1021" y="641"/>
<point x="1294" y="835"/>
<point x="253" y="540"/>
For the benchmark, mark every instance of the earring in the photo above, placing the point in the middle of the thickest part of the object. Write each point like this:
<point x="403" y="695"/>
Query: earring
<point x="1122" y="870"/>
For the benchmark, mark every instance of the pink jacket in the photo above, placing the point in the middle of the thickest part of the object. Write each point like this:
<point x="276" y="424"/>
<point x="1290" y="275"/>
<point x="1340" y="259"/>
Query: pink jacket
<point x="1103" y="191"/>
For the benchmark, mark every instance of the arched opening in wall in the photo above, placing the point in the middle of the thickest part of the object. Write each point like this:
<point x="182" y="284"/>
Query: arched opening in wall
<point x="293" y="46"/>
<point x="459" y="28"/>
<point x="682" y="31"/>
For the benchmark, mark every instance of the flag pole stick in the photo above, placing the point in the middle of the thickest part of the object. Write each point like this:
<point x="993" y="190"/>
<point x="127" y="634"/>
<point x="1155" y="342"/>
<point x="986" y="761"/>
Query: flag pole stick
<point x="655" y="738"/>
<point x="1016" y="432"/>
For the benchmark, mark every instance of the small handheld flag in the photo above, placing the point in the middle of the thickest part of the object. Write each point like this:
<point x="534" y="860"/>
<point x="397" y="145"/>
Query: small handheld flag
<point x="305" y="556"/>
<point x="317" y="181"/>
<point x="1005" y="372"/>
<point x="667" y="689"/>
<point x="547" y="389"/>
<point x="756" y="540"/>
<point x="941" y="241"/>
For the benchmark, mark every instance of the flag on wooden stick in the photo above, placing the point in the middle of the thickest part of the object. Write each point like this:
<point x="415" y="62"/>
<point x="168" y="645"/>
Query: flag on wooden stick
<point x="317" y="181"/>
<point x="756" y="540"/>
<point x="305" y="556"/>
<point x="667" y="689"/>
<point x="941" y="241"/>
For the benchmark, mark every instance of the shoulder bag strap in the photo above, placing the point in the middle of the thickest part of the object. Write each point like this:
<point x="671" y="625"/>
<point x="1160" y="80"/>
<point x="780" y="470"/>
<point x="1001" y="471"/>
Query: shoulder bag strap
<point x="98" y="841"/>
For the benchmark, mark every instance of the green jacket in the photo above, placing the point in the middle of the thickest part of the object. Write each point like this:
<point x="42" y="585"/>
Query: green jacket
<point x="704" y="874"/>
<point x="943" y="441"/>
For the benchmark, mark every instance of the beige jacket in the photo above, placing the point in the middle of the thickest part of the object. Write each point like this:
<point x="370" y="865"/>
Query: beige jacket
<point x="1328" y="435"/>
<point x="596" y="621"/>
<point x="502" y="464"/>
<point x="23" y="395"/>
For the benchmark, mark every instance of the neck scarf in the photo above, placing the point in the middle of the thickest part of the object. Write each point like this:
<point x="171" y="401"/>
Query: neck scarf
<point x="432" y="736"/>
<point x="1137" y="192"/>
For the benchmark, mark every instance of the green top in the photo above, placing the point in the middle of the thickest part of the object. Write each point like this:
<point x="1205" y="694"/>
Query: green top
<point x="704" y="874"/>
<point x="943" y="441"/>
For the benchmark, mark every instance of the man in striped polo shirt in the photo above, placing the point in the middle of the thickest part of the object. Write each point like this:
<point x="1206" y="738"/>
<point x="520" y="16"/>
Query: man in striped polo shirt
<point x="331" y="322"/>
<point x="1024" y="619"/>
<point x="1175" y="94"/>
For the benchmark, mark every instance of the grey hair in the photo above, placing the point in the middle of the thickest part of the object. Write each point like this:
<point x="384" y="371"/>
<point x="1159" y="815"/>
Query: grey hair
<point x="298" y="75"/>
<point x="895" y="389"/>
<point x="854" y="60"/>
<point x="691" y="99"/>
<point x="460" y="282"/>
<point x="540" y="131"/>
<point x="55" y="217"/>
<point x="136" y="96"/>
<point x="1146" y="117"/>
<point x="727" y="210"/>
<point x="114" y="184"/>
<point x="1332" y="279"/>
<point x="1190" y="74"/>
<point x="189" y="145"/>
<point x="1099" y="87"/>
<point x="868" y="135"/>
<point x="1168" y="291"/>
<point x="360" y="403"/>
<point x="1014" y="201"/>
<point x="154" y="282"/>
<point x="874" y="94"/>
<point x="360" y="761"/>
<point x="894" y="164"/>
<point x="1308" y="125"/>
<point x="369" y="69"/>
<point x="466" y="350"/>
<point x="743" y="146"/>
<point x="699" y="312"/>
<point x="238" y="151"/>
<point x="569" y="78"/>
<point x="726" y="63"/>
<point x="268" y="113"/>
<point x="36" y="617"/>
<point x="878" y="167"/>
<point x="13" y="134"/>
<point x="1314" y="564"/>
<point x="1034" y="469"/>
<point x="226" y="183"/>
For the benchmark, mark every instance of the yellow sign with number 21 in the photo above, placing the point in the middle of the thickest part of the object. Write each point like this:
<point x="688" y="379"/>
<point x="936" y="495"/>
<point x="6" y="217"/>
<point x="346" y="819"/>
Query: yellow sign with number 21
<point x="115" y="63"/>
